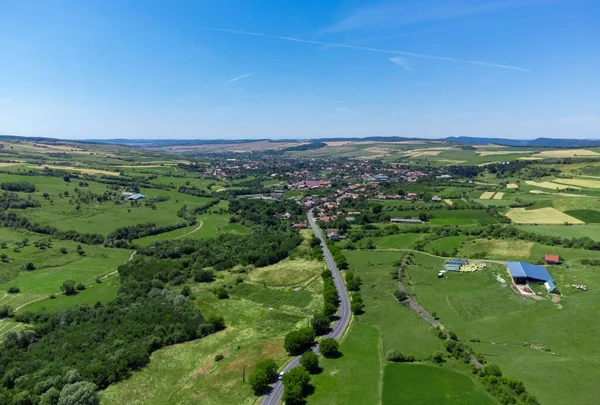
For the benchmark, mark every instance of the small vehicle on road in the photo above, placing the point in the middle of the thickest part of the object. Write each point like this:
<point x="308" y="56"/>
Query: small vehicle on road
<point x="281" y="375"/>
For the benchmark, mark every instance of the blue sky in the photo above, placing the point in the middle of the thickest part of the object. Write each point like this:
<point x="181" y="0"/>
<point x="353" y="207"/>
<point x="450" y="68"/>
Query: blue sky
<point x="300" y="69"/>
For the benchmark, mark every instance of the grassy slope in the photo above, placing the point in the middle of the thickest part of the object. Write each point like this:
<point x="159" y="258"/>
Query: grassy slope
<point x="257" y="318"/>
<point x="53" y="267"/>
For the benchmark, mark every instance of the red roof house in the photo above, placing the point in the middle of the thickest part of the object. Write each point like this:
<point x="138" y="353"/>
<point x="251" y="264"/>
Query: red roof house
<point x="552" y="259"/>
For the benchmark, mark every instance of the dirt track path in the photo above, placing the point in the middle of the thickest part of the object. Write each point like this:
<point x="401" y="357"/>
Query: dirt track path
<point x="190" y="232"/>
<point x="431" y="254"/>
<point x="61" y="293"/>
<point x="419" y="310"/>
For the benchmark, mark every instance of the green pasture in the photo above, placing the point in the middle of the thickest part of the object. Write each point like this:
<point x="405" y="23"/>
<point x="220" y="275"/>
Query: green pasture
<point x="53" y="267"/>
<point x="445" y="245"/>
<point x="565" y="231"/>
<point x="422" y="384"/>
<point x="355" y="378"/>
<point x="404" y="240"/>
<point x="559" y="336"/>
<point x="208" y="226"/>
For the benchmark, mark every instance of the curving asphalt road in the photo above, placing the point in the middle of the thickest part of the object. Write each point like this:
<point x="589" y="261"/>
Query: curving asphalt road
<point x="339" y="326"/>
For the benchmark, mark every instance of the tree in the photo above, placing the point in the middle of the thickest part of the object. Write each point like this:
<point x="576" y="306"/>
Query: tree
<point x="80" y="287"/>
<point x="186" y="291"/>
<point x="357" y="305"/>
<point x="263" y="374"/>
<point x="68" y="287"/>
<point x="204" y="276"/>
<point x="298" y="341"/>
<point x="4" y="257"/>
<point x="329" y="348"/>
<point x="320" y="324"/>
<point x="50" y="397"/>
<point x="79" y="393"/>
<point x="437" y="357"/>
<point x="295" y="386"/>
<point x="221" y="293"/>
<point x="310" y="361"/>
<point x="352" y="281"/>
<point x="64" y="250"/>
<point x="29" y="266"/>
<point x="13" y="290"/>
<point x="6" y="311"/>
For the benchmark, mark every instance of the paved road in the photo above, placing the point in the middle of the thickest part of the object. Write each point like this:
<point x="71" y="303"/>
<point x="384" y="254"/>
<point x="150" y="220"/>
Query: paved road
<point x="340" y="325"/>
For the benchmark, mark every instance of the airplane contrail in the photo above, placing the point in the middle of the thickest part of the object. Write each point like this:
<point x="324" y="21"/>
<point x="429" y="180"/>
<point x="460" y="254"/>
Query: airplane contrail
<point x="235" y="79"/>
<point x="368" y="49"/>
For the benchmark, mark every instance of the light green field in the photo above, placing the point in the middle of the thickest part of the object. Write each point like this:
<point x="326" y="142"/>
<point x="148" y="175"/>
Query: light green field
<point x="54" y="267"/>
<point x="546" y="215"/>
<point x="403" y="240"/>
<point x="421" y="384"/>
<point x="208" y="226"/>
<point x="355" y="378"/>
<point x="564" y="231"/>
<point x="520" y="334"/>
<point x="496" y="249"/>
<point x="445" y="245"/>
<point x="287" y="272"/>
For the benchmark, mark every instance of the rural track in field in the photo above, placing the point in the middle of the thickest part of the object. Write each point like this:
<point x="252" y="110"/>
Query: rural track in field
<point x="430" y="254"/>
<point x="190" y="232"/>
<point x="412" y="304"/>
<point x="61" y="293"/>
<point x="340" y="325"/>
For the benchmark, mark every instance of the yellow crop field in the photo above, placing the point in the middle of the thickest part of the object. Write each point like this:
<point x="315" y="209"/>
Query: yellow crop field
<point x="501" y="152"/>
<point x="580" y="182"/>
<point x="548" y="184"/>
<point x="498" y="196"/>
<point x="545" y="215"/>
<point x="565" y="153"/>
<point x="512" y="185"/>
<point x="487" y="195"/>
<point x="79" y="169"/>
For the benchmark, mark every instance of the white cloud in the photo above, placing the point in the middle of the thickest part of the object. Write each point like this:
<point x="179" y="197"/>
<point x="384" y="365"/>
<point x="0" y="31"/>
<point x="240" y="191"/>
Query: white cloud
<point x="389" y="14"/>
<point x="369" y="49"/>
<point x="402" y="63"/>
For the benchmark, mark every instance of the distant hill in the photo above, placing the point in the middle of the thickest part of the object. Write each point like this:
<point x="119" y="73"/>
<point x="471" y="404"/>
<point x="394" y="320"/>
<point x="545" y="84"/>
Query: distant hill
<point x="538" y="142"/>
<point x="317" y="143"/>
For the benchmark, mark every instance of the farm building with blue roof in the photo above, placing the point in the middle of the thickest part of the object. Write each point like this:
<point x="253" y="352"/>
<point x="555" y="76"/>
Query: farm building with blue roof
<point x="522" y="273"/>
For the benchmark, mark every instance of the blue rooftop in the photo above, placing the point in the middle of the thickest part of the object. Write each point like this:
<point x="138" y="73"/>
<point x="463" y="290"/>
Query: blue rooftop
<point x="528" y="270"/>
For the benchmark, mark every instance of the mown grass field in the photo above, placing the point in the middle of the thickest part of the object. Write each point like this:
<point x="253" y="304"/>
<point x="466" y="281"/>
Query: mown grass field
<point x="422" y="384"/>
<point x="545" y="215"/>
<point x="528" y="339"/>
<point x="355" y="378"/>
<point x="449" y="217"/>
<point x="403" y="240"/>
<point x="445" y="245"/>
<point x="565" y="231"/>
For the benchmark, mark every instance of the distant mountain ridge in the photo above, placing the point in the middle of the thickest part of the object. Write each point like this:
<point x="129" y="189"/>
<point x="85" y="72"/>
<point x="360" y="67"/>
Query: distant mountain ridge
<point x="463" y="140"/>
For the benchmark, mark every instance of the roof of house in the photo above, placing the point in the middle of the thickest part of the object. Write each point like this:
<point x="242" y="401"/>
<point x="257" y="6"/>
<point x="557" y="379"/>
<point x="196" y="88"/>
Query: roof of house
<point x="552" y="258"/>
<point x="136" y="197"/>
<point x="528" y="270"/>
<point x="550" y="285"/>
<point x="457" y="261"/>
